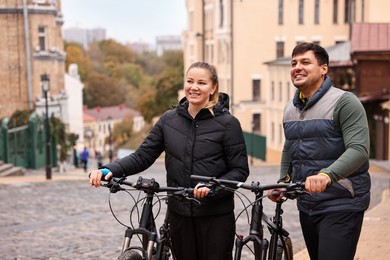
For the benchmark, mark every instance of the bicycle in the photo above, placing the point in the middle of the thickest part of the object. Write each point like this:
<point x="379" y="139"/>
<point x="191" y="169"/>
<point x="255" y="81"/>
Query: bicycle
<point x="280" y="244"/>
<point x="154" y="245"/>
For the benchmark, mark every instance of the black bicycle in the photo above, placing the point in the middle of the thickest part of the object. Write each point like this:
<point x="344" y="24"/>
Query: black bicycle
<point x="280" y="245"/>
<point x="152" y="245"/>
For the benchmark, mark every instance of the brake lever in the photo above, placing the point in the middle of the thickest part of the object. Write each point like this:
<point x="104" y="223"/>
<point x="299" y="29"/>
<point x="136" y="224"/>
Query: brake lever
<point x="185" y="194"/>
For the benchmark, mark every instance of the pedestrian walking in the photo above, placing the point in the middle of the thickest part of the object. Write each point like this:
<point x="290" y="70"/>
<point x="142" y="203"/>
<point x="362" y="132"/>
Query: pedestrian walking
<point x="84" y="156"/>
<point x="327" y="147"/>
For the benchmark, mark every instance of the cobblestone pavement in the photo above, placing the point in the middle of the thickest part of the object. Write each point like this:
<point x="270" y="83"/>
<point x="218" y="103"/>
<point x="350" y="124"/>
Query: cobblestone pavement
<point x="66" y="219"/>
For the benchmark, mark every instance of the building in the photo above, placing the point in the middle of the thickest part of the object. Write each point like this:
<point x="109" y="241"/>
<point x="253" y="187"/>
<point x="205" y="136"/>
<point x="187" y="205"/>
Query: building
<point x="168" y="43"/>
<point x="239" y="37"/>
<point x="30" y="45"/>
<point x="100" y="121"/>
<point x="84" y="36"/>
<point x="140" y="47"/>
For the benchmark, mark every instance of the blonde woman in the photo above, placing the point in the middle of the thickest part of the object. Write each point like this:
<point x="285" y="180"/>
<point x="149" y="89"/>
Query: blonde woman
<point x="199" y="137"/>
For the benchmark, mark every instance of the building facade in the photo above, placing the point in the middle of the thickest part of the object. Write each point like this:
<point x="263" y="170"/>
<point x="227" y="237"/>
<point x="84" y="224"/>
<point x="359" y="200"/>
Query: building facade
<point x="84" y="36"/>
<point x="30" y="45"/>
<point x="240" y="36"/>
<point x="99" y="122"/>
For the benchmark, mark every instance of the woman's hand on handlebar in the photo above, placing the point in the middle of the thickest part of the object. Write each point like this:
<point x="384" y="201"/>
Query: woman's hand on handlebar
<point x="201" y="191"/>
<point x="95" y="177"/>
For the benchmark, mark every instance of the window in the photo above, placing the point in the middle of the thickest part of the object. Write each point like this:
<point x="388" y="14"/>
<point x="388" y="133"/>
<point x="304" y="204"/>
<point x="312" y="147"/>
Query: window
<point x="272" y="90"/>
<point x="280" y="91"/>
<point x="317" y="12"/>
<point x="220" y="13"/>
<point x="256" y="122"/>
<point x="279" y="49"/>
<point x="273" y="131"/>
<point x="288" y="91"/>
<point x="335" y="11"/>
<point x="280" y="16"/>
<point x="256" y="84"/>
<point x="280" y="133"/>
<point x="300" y="12"/>
<point x="42" y="38"/>
<point x="350" y="11"/>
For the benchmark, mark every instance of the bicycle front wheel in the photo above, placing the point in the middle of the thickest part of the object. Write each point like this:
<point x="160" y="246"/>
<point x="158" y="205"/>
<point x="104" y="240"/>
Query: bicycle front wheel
<point x="130" y="255"/>
<point x="284" y="250"/>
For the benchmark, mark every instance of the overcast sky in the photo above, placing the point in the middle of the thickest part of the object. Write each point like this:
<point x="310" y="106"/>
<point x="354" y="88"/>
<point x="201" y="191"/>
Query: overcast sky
<point x="127" y="20"/>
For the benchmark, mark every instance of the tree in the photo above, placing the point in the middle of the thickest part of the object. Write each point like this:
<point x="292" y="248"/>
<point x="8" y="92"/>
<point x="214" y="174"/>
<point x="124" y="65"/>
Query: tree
<point x="102" y="90"/>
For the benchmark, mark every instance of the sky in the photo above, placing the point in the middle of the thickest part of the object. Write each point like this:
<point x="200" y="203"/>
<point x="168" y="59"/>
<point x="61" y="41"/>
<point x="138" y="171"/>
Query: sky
<point x="127" y="20"/>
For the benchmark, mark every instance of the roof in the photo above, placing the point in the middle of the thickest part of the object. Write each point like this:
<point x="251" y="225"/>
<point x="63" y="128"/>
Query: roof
<point x="114" y="112"/>
<point x="339" y="55"/>
<point x="87" y="118"/>
<point x="369" y="37"/>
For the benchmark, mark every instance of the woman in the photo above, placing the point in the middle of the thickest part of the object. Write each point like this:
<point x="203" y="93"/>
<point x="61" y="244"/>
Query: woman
<point x="199" y="137"/>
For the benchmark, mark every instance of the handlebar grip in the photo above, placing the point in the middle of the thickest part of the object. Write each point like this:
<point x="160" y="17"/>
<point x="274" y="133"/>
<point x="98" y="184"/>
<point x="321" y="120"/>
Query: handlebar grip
<point x="201" y="178"/>
<point x="276" y="193"/>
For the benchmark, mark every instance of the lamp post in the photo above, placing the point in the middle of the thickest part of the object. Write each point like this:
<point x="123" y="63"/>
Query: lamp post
<point x="45" y="83"/>
<point x="110" y="152"/>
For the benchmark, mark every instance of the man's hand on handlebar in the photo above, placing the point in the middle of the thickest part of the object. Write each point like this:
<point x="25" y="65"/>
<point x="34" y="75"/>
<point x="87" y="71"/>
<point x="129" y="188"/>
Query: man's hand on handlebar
<point x="275" y="194"/>
<point x="95" y="177"/>
<point x="317" y="183"/>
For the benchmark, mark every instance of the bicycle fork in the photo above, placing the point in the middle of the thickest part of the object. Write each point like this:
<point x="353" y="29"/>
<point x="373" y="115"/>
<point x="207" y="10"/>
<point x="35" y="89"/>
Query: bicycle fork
<point x="146" y="230"/>
<point x="255" y="234"/>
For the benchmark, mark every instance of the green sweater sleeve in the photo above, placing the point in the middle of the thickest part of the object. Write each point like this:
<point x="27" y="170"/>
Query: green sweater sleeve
<point x="285" y="166"/>
<point x="350" y="117"/>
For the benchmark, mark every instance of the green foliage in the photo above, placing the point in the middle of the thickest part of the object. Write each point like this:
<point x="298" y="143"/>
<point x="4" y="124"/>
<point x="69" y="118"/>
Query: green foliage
<point x="102" y="90"/>
<point x="19" y="118"/>
<point x="112" y="73"/>
<point x="161" y="98"/>
<point x="58" y="131"/>
<point x="122" y="131"/>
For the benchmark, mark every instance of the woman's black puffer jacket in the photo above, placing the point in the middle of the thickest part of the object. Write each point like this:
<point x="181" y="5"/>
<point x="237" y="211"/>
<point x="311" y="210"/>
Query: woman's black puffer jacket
<point x="207" y="145"/>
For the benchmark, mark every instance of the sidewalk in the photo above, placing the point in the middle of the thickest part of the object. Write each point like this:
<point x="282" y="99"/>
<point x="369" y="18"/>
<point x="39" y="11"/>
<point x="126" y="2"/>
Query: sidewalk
<point x="373" y="242"/>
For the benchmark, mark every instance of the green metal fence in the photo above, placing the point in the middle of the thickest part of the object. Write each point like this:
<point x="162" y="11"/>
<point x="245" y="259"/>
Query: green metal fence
<point x="25" y="145"/>
<point x="255" y="145"/>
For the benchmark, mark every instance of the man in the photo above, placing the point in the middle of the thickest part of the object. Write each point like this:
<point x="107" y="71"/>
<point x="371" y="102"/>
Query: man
<point x="327" y="146"/>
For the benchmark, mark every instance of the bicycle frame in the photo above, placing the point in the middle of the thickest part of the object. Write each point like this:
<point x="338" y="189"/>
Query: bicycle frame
<point x="256" y="232"/>
<point x="153" y="245"/>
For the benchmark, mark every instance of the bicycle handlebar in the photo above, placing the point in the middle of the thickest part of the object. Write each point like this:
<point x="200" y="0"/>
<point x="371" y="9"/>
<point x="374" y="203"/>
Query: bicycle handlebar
<point x="144" y="184"/>
<point x="254" y="186"/>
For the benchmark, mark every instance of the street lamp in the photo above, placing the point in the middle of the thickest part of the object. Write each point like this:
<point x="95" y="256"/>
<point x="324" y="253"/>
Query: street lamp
<point x="110" y="152"/>
<point x="45" y="83"/>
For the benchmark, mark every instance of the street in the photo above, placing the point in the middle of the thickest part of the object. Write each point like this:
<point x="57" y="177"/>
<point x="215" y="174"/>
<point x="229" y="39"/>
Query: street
<point x="70" y="220"/>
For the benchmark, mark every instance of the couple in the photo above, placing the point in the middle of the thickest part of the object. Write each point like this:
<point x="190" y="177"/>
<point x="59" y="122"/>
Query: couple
<point x="201" y="137"/>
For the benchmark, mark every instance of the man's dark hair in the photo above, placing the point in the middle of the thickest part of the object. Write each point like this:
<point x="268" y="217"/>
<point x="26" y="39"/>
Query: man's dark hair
<point x="319" y="52"/>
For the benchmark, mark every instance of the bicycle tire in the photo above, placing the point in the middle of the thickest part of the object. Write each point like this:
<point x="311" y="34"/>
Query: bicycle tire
<point x="130" y="255"/>
<point x="284" y="253"/>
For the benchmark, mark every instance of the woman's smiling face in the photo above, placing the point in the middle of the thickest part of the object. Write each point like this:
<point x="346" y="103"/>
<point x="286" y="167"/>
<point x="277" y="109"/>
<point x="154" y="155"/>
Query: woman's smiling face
<point x="198" y="87"/>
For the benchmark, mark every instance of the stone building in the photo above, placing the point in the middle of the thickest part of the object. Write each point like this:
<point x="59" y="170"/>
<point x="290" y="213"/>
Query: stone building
<point x="30" y="45"/>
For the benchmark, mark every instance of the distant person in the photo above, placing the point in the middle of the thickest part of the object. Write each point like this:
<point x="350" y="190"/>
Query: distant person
<point x="99" y="159"/>
<point x="84" y="156"/>
<point x="327" y="147"/>
<point x="199" y="137"/>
